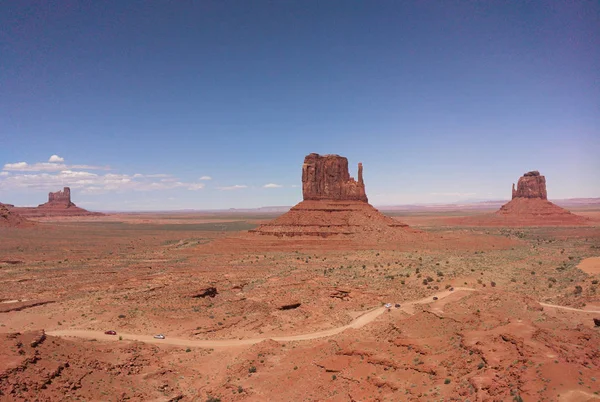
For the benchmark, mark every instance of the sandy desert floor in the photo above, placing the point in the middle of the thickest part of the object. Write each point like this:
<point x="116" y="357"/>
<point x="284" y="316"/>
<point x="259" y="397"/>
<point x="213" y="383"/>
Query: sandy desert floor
<point x="283" y="320"/>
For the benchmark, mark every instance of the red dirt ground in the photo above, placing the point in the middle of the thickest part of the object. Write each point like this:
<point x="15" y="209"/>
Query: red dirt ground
<point x="144" y="274"/>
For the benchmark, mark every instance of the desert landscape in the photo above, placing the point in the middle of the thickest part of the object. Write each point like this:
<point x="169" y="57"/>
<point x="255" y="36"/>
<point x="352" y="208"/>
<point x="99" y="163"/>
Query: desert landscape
<point x="300" y="201"/>
<point x="332" y="300"/>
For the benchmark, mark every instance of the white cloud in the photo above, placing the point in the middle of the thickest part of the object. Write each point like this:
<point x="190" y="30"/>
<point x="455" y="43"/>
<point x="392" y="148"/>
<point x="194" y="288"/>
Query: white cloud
<point x="16" y="166"/>
<point x="206" y="178"/>
<point x="56" y="158"/>
<point x="235" y="187"/>
<point x="48" y="167"/>
<point x="89" y="182"/>
<point x="272" y="185"/>
<point x="295" y="185"/>
<point x="54" y="174"/>
<point x="69" y="173"/>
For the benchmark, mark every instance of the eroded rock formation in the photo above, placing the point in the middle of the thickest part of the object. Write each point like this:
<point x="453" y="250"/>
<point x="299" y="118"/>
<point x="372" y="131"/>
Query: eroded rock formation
<point x="59" y="204"/>
<point x="9" y="218"/>
<point x="530" y="185"/>
<point x="334" y="205"/>
<point x="530" y="206"/>
<point x="59" y="199"/>
<point x="327" y="178"/>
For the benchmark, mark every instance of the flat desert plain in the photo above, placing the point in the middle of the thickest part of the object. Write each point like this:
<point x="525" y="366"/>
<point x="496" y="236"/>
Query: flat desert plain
<point x="477" y="313"/>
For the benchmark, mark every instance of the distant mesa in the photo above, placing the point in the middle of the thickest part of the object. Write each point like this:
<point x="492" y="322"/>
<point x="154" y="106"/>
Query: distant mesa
<point x="59" y="199"/>
<point x="334" y="204"/>
<point x="59" y="204"/>
<point x="529" y="207"/>
<point x="11" y="219"/>
<point x="530" y="204"/>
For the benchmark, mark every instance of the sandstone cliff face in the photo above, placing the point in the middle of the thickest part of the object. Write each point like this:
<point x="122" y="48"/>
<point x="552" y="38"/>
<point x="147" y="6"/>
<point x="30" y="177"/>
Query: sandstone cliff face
<point x="59" y="199"/>
<point x="327" y="178"/>
<point x="530" y="185"/>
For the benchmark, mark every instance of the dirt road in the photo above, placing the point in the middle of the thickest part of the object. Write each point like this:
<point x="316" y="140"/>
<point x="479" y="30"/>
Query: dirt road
<point x="361" y="321"/>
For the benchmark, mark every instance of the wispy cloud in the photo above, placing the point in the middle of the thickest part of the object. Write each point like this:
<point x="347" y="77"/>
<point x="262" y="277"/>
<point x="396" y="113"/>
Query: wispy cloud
<point x="272" y="185"/>
<point x="52" y="175"/>
<point x="234" y="187"/>
<point x="48" y="167"/>
<point x="206" y="178"/>
<point x="56" y="158"/>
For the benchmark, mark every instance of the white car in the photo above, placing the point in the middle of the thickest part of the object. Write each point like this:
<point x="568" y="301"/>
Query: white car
<point x="159" y="336"/>
<point x="388" y="305"/>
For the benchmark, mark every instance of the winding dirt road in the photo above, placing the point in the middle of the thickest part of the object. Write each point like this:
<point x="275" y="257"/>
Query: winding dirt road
<point x="360" y="321"/>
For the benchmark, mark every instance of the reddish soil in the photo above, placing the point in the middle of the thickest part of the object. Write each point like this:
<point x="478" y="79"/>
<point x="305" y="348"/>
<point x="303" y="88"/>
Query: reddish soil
<point x="202" y="278"/>
<point x="590" y="265"/>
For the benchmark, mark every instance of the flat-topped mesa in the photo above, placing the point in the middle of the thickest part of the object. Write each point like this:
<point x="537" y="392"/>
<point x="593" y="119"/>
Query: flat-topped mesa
<point x="59" y="198"/>
<point x="327" y="178"/>
<point x="530" y="185"/>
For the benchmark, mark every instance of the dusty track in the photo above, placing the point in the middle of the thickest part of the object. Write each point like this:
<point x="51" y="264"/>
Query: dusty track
<point x="569" y="308"/>
<point x="361" y="321"/>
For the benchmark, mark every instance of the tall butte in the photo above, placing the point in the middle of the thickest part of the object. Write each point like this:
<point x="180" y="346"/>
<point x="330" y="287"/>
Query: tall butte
<point x="530" y="205"/>
<point x="59" y="199"/>
<point x="334" y="204"/>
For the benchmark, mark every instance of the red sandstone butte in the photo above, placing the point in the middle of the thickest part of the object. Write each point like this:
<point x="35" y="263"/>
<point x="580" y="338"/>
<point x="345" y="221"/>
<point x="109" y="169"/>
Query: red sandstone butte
<point x="59" y="204"/>
<point x="334" y="204"/>
<point x="530" y="185"/>
<point x="530" y="205"/>
<point x="59" y="199"/>
<point x="327" y="178"/>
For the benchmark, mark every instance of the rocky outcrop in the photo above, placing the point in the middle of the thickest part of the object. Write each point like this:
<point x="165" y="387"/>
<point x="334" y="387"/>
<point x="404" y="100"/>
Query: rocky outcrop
<point x="327" y="178"/>
<point x="59" y="204"/>
<point x="8" y="218"/>
<point x="335" y="205"/>
<point x="59" y="199"/>
<point x="530" y="185"/>
<point x="530" y="206"/>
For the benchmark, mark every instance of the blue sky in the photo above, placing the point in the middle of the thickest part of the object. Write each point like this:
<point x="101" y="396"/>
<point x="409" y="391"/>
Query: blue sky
<point x="168" y="105"/>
